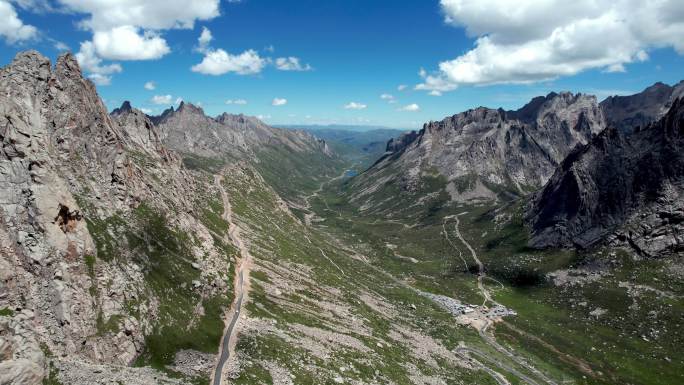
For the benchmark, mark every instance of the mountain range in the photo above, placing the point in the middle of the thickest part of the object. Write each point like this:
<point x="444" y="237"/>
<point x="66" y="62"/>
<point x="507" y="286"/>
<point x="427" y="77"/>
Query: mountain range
<point x="129" y="242"/>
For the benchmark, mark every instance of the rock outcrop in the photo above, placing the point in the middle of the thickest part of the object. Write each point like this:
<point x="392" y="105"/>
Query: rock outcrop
<point x="82" y="194"/>
<point x="620" y="188"/>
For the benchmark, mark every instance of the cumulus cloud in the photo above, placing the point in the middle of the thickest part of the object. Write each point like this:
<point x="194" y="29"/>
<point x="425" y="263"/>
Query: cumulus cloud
<point x="203" y="41"/>
<point x="132" y="29"/>
<point x="401" y="87"/>
<point x="147" y="14"/>
<point x="410" y="108"/>
<point x="355" y="106"/>
<point x="279" y="102"/>
<point x="529" y="40"/>
<point x="99" y="73"/>
<point x="60" y="46"/>
<point x="13" y="29"/>
<point x="291" y="64"/>
<point x="240" y="102"/>
<point x="219" y="62"/>
<point x="128" y="43"/>
<point x="100" y="80"/>
<point x="165" y="99"/>
<point x="151" y="86"/>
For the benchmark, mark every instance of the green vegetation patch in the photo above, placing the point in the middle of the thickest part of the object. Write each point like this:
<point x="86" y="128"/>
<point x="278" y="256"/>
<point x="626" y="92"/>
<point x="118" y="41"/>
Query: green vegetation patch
<point x="200" y="163"/>
<point x="6" y="312"/>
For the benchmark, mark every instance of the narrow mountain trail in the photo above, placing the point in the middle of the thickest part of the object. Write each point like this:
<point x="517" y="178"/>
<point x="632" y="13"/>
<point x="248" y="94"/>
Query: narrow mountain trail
<point x="241" y="286"/>
<point x="482" y="330"/>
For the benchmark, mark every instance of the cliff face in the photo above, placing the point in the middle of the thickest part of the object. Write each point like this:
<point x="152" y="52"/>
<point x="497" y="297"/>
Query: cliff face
<point x="620" y="188"/>
<point x="78" y="191"/>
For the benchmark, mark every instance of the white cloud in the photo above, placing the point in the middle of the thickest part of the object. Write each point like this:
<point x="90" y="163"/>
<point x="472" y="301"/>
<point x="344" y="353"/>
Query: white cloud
<point x="355" y="106"/>
<point x="12" y="29"/>
<point x="291" y="64"/>
<point x="435" y="93"/>
<point x="163" y="99"/>
<point x="530" y="40"/>
<point x="150" y="86"/>
<point x="240" y="102"/>
<point x="263" y="117"/>
<point x="269" y="48"/>
<point x="132" y="29"/>
<point x="100" y="80"/>
<point x="410" y="108"/>
<point x="203" y="41"/>
<point x="279" y="102"/>
<point x="402" y="87"/>
<point x="128" y="43"/>
<point x="618" y="67"/>
<point x="97" y="72"/>
<point x="146" y="111"/>
<point x="60" y="46"/>
<point x="389" y="98"/>
<point x="154" y="15"/>
<point x="219" y="62"/>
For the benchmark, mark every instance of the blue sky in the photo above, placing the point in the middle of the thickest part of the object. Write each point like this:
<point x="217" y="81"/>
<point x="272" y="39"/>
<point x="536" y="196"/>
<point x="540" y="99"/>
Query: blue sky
<point x="357" y="51"/>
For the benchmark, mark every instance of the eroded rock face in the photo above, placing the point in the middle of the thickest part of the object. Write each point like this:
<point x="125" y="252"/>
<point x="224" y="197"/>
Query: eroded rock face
<point x="69" y="174"/>
<point x="624" y="189"/>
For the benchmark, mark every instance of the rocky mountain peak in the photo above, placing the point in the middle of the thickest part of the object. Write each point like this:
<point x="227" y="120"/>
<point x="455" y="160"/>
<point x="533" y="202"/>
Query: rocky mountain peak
<point x="139" y="131"/>
<point x="189" y="108"/>
<point x="396" y="145"/>
<point x="67" y="65"/>
<point x="240" y="119"/>
<point x="529" y="111"/>
<point x="125" y="107"/>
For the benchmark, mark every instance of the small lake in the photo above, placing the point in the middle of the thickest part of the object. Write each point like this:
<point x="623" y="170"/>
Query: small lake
<point x="350" y="173"/>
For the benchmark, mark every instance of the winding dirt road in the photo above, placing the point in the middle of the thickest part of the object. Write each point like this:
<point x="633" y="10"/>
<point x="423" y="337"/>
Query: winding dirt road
<point x="241" y="285"/>
<point x="487" y="337"/>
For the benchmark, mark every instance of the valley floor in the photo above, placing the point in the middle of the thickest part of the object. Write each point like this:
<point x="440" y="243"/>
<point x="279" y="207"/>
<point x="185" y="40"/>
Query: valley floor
<point x="599" y="317"/>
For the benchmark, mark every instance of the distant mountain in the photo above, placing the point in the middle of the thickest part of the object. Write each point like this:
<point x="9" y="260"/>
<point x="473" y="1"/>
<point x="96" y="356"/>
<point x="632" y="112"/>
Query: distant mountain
<point x="482" y="152"/>
<point x="624" y="188"/>
<point x="362" y="148"/>
<point x="629" y="112"/>
<point x="188" y="129"/>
